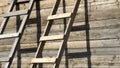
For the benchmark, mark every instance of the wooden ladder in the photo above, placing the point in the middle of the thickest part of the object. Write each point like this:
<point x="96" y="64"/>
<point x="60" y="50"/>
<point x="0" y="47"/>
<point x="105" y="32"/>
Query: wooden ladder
<point x="10" y="13"/>
<point x="46" y="37"/>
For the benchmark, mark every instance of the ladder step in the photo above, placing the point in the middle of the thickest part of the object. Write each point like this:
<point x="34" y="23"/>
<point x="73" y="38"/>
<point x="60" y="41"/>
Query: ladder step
<point x="6" y="59"/>
<point x="25" y="1"/>
<point x="22" y="1"/>
<point x="13" y="35"/>
<point x="59" y="16"/>
<point x="15" y="13"/>
<point x="44" y="60"/>
<point x="53" y="37"/>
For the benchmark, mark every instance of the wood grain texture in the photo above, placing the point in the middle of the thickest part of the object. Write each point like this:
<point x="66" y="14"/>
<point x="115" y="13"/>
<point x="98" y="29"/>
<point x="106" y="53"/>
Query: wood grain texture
<point x="102" y="41"/>
<point x="105" y="61"/>
<point x="43" y="60"/>
<point x="98" y="30"/>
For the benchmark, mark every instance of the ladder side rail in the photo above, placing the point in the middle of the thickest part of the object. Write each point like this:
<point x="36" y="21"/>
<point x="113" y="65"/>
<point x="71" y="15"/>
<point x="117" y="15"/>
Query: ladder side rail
<point x="5" y="20"/>
<point x="12" y="5"/>
<point x="67" y="32"/>
<point x="55" y="7"/>
<point x="46" y="32"/>
<point x="17" y="40"/>
<point x="49" y="23"/>
<point x="26" y="17"/>
<point x="74" y="13"/>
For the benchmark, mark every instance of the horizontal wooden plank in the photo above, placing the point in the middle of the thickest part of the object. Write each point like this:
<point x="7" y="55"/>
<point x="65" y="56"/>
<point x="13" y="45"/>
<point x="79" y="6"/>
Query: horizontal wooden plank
<point x="5" y="36"/>
<point x="106" y="40"/>
<point x="72" y="53"/>
<point x="95" y="60"/>
<point x="15" y="13"/>
<point x="5" y="59"/>
<point x="25" y="1"/>
<point x="22" y="1"/>
<point x="59" y="16"/>
<point x="95" y="15"/>
<point x="44" y="60"/>
<point x="110" y="7"/>
<point x="52" y="37"/>
<point x="99" y="30"/>
<point x="111" y="43"/>
<point x="101" y="34"/>
<point x="46" y="4"/>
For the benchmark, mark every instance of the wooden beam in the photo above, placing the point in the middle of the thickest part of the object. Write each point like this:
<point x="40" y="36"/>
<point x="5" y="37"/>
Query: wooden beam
<point x="44" y="60"/>
<point x="5" y="36"/>
<point x="5" y="59"/>
<point x="15" y="13"/>
<point x="59" y="16"/>
<point x="53" y="37"/>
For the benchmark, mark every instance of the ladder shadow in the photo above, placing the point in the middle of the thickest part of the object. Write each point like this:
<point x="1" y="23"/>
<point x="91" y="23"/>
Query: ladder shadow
<point x="76" y="28"/>
<point x="38" y="14"/>
<point x="85" y="27"/>
<point x="36" y="21"/>
<point x="87" y="33"/>
<point x="18" y="23"/>
<point x="65" y="25"/>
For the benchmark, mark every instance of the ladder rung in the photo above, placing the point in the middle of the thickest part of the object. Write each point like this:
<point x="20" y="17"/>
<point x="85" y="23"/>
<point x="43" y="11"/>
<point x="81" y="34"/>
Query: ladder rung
<point x="5" y="36"/>
<point x="25" y="1"/>
<point x="44" y="60"/>
<point x="53" y="37"/>
<point x="22" y="1"/>
<point x="15" y="13"/>
<point x="4" y="59"/>
<point x="59" y="16"/>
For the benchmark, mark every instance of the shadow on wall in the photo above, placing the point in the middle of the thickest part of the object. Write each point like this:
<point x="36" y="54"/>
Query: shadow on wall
<point x="85" y="27"/>
<point x="38" y="22"/>
<point x="80" y="28"/>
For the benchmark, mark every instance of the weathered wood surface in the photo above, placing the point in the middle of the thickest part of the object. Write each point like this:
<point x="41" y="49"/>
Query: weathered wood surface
<point x="13" y="35"/>
<point x="103" y="34"/>
<point x="43" y="60"/>
<point x="104" y="61"/>
<point x="99" y="30"/>
<point x="15" y="13"/>
<point x="59" y="16"/>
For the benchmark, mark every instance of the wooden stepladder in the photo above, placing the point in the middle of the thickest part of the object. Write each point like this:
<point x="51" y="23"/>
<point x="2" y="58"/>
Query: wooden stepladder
<point x="64" y="37"/>
<point x="10" y="13"/>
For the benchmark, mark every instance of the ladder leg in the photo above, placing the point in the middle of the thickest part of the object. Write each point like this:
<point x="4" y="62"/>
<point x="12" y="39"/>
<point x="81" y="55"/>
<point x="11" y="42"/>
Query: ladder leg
<point x="67" y="32"/>
<point x="46" y="32"/>
<point x="64" y="37"/>
<point x="17" y="40"/>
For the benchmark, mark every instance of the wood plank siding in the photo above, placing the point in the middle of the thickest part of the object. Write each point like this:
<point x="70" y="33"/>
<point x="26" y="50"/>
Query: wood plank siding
<point x="96" y="45"/>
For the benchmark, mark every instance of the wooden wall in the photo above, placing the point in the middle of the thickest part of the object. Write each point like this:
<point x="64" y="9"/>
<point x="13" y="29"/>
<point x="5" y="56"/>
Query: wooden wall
<point x="95" y="45"/>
